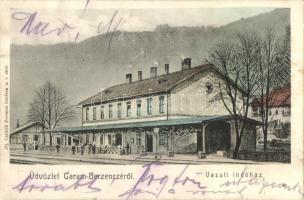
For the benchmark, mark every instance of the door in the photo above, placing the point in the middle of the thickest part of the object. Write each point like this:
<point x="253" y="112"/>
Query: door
<point x="199" y="139"/>
<point x="149" y="142"/>
<point x="36" y="142"/>
<point x="118" y="139"/>
<point x="217" y="137"/>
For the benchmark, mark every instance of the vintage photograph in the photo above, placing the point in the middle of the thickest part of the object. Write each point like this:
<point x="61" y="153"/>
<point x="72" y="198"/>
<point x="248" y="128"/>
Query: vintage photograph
<point x="132" y="86"/>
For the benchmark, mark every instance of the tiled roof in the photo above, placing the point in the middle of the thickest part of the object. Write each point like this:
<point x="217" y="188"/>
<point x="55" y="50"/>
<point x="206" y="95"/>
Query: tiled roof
<point x="281" y="96"/>
<point x="278" y="97"/>
<point x="147" y="124"/>
<point x="157" y="84"/>
<point x="23" y="127"/>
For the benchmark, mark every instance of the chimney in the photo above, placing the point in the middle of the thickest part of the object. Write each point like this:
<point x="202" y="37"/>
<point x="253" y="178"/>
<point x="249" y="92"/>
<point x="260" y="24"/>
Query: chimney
<point x="17" y="124"/>
<point x="186" y="63"/>
<point x="129" y="78"/>
<point x="167" y="69"/>
<point x="153" y="72"/>
<point x="139" y="75"/>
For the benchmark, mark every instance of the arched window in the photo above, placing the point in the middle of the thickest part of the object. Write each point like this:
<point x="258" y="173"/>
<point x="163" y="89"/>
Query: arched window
<point x="94" y="113"/>
<point x="128" y="109"/>
<point x="101" y="112"/>
<point x="110" y="111"/>
<point x="138" y="108"/>
<point x="87" y="114"/>
<point x="161" y="104"/>
<point x="209" y="88"/>
<point x="149" y="106"/>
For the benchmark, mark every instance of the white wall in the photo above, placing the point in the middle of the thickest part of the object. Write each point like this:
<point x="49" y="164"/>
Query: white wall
<point x="156" y="115"/>
<point x="193" y="99"/>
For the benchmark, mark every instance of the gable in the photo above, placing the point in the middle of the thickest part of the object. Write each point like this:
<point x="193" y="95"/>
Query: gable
<point x="29" y="127"/>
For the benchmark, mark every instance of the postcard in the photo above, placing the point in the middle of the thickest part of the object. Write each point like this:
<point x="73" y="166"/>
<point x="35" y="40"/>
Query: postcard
<point x="151" y="99"/>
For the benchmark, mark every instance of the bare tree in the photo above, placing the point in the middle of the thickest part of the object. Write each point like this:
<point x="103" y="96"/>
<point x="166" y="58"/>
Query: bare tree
<point x="49" y="107"/>
<point x="272" y="71"/>
<point x="235" y="60"/>
<point x="284" y="58"/>
<point x="253" y="67"/>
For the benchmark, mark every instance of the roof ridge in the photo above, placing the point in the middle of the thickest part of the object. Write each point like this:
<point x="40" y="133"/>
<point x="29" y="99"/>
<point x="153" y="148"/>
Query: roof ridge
<point x="203" y="65"/>
<point x="172" y="81"/>
<point x="23" y="126"/>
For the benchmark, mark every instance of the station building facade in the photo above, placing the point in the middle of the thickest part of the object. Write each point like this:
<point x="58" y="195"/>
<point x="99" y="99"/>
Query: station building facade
<point x="178" y="112"/>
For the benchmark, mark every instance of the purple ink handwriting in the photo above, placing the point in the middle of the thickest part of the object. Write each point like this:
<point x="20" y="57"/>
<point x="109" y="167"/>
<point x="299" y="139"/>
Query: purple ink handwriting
<point x="153" y="184"/>
<point x="155" y="181"/>
<point x="262" y="184"/>
<point x="86" y="6"/>
<point x="110" y="31"/>
<point x="32" y="26"/>
<point x="145" y="180"/>
<point x="28" y="185"/>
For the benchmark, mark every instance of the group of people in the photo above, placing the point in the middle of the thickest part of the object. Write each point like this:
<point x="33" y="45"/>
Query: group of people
<point x="93" y="149"/>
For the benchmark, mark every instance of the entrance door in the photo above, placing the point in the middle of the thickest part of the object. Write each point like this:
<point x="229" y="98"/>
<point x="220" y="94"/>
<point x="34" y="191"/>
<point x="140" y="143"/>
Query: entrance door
<point x="118" y="139"/>
<point x="149" y="142"/>
<point x="199" y="141"/>
<point x="36" y="142"/>
<point x="217" y="137"/>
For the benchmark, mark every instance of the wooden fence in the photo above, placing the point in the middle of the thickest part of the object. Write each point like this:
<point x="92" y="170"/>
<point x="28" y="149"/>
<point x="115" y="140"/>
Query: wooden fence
<point x="268" y="156"/>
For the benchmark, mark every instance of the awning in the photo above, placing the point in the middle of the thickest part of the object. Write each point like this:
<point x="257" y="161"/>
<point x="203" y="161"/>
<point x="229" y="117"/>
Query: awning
<point x="148" y="124"/>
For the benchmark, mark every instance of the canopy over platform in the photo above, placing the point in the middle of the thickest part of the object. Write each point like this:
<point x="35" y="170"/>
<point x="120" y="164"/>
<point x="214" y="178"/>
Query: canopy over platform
<point x="150" y="124"/>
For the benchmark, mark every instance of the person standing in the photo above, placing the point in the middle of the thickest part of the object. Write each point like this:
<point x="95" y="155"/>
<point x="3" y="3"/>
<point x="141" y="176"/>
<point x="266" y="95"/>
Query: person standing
<point x="90" y="148"/>
<point x="82" y="148"/>
<point x="127" y="148"/>
<point x="73" y="149"/>
<point x="58" y="148"/>
<point x="24" y="146"/>
<point x="94" y="149"/>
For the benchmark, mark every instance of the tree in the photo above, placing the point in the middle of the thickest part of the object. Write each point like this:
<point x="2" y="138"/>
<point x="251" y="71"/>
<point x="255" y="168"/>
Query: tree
<point x="273" y="70"/>
<point x="49" y="107"/>
<point x="254" y="67"/>
<point x="236" y="60"/>
<point x="284" y="57"/>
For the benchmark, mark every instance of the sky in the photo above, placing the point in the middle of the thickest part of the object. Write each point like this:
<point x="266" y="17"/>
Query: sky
<point x="35" y="26"/>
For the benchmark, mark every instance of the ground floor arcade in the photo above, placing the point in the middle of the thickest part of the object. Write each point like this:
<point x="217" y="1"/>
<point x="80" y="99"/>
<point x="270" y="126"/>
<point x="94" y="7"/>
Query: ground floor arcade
<point x="184" y="136"/>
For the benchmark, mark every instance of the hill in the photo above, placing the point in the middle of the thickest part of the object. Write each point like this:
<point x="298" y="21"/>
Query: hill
<point x="84" y="68"/>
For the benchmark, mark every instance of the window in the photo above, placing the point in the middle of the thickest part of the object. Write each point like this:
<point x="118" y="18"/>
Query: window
<point x="87" y="114"/>
<point x="138" y="108"/>
<point x="102" y="112"/>
<point x="270" y="113"/>
<point x="110" y="111"/>
<point x="209" y="88"/>
<point x="276" y="112"/>
<point x="24" y="138"/>
<point x="101" y="139"/>
<point x="128" y="109"/>
<point x="94" y="113"/>
<point x="138" y="139"/>
<point x="109" y="139"/>
<point x="149" y="106"/>
<point x="162" y="139"/>
<point x="119" y="110"/>
<point x="161" y="104"/>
